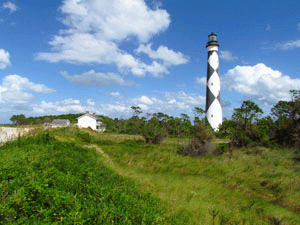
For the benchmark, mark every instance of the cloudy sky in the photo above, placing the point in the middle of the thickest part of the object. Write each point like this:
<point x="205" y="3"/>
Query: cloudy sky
<point x="104" y="56"/>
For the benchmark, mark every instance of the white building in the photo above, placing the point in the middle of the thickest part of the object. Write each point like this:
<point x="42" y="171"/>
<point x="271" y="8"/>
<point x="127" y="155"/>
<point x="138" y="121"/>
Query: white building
<point x="57" y="123"/>
<point x="90" y="120"/>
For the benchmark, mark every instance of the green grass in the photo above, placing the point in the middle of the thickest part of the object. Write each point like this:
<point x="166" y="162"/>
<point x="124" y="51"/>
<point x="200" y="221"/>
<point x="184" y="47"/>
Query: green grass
<point x="146" y="183"/>
<point x="256" y="186"/>
<point x="45" y="181"/>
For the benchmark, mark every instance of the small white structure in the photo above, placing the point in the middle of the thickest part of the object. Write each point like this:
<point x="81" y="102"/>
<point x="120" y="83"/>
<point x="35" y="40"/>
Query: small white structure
<point x="57" y="123"/>
<point x="11" y="133"/>
<point x="92" y="121"/>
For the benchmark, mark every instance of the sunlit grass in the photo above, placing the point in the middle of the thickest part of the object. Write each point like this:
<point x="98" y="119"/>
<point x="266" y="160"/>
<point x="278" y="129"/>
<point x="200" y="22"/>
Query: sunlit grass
<point x="243" y="186"/>
<point x="45" y="181"/>
<point x="252" y="186"/>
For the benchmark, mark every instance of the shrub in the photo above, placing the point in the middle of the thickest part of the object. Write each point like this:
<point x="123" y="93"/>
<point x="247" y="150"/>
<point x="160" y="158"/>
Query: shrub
<point x="84" y="137"/>
<point x="153" y="132"/>
<point x="253" y="135"/>
<point x="201" y="144"/>
<point x="220" y="149"/>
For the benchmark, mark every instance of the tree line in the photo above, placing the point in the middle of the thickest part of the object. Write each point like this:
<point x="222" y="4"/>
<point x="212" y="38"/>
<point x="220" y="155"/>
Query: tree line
<point x="21" y="119"/>
<point x="246" y="127"/>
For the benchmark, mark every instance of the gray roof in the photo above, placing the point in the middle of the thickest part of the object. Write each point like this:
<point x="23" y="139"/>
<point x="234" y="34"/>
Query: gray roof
<point x="90" y="115"/>
<point x="60" y="122"/>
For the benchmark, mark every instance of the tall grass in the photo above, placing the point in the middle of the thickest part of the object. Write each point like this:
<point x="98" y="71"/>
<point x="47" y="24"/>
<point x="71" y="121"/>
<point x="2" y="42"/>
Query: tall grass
<point x="241" y="186"/>
<point x="245" y="186"/>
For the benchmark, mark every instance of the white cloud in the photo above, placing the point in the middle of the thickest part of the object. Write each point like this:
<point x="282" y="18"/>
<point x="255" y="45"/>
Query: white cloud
<point x="9" y="5"/>
<point x="100" y="79"/>
<point x="17" y="91"/>
<point x="169" y="57"/>
<point x="114" y="19"/>
<point x="289" y="45"/>
<point x="157" y="69"/>
<point x="260" y="82"/>
<point x="90" y="102"/>
<point x="4" y="59"/>
<point x="168" y="102"/>
<point x="80" y="48"/>
<point x="114" y="94"/>
<point x="75" y="106"/>
<point x="95" y="30"/>
<point x="201" y="80"/>
<point x="65" y="106"/>
<point x="145" y="100"/>
<point x="227" y="56"/>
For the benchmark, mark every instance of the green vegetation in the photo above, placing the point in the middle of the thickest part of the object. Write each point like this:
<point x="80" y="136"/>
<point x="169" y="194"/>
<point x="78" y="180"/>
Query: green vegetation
<point x="23" y="120"/>
<point x="247" y="127"/>
<point x="256" y="185"/>
<point x="158" y="170"/>
<point x="53" y="178"/>
<point x="201" y="144"/>
<point x="246" y="186"/>
<point x="45" y="181"/>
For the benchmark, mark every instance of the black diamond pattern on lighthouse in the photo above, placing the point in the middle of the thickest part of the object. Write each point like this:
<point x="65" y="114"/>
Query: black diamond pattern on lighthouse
<point x="213" y="104"/>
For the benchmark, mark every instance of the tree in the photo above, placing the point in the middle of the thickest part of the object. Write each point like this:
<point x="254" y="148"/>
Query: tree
<point x="136" y="110"/>
<point x="227" y="128"/>
<point x="247" y="113"/>
<point x="186" y="124"/>
<point x="282" y="109"/>
<point x="246" y="132"/>
<point x="286" y="131"/>
<point x="295" y="109"/>
<point x="198" y="112"/>
<point x="153" y="132"/>
<point x="18" y="119"/>
<point x="295" y="95"/>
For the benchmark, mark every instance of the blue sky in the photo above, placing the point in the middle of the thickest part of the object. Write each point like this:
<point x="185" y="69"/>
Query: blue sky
<point x="104" y="56"/>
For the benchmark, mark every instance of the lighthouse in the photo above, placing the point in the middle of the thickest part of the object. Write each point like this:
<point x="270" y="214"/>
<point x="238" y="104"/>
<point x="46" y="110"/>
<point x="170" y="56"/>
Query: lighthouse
<point x="213" y="85"/>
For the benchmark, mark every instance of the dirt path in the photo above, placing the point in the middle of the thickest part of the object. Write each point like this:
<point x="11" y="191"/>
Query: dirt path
<point x="119" y="170"/>
<point x="107" y="160"/>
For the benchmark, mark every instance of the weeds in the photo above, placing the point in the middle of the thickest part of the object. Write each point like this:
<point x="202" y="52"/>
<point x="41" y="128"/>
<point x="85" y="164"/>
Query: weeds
<point x="213" y="213"/>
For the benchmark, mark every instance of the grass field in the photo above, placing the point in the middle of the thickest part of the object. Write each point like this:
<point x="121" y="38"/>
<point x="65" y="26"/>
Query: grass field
<point x="246" y="188"/>
<point x="243" y="186"/>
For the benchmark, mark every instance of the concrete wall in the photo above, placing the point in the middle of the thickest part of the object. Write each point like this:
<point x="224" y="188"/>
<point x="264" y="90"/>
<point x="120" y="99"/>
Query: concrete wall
<point x="10" y="133"/>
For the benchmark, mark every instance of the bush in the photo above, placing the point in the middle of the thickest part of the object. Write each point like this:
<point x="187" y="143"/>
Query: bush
<point x="201" y="144"/>
<point x="153" y="132"/>
<point x="254" y="135"/>
<point x="220" y="149"/>
<point x="84" y="137"/>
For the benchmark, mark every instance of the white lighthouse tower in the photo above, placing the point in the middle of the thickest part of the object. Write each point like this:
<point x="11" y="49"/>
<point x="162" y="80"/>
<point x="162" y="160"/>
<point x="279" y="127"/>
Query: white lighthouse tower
<point x="213" y="103"/>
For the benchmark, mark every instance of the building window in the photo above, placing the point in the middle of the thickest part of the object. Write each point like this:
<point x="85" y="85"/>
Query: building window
<point x="212" y="84"/>
<point x="212" y="115"/>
